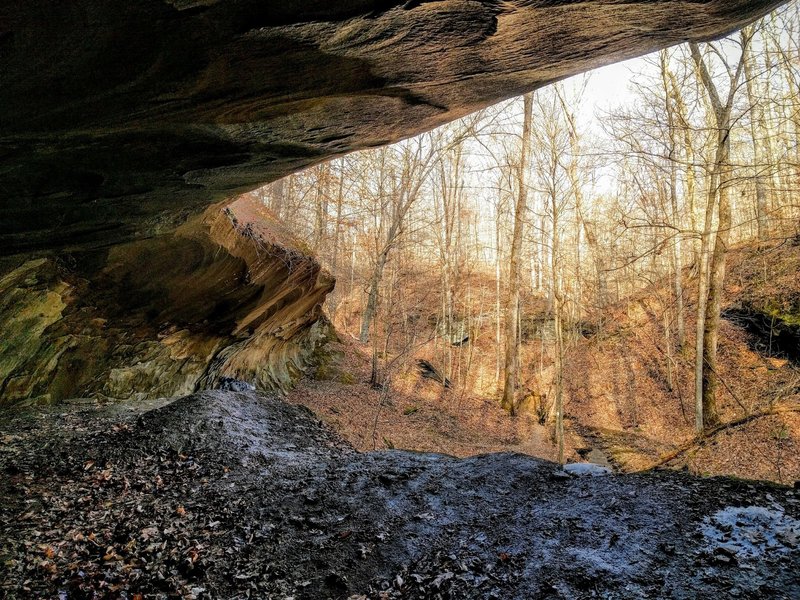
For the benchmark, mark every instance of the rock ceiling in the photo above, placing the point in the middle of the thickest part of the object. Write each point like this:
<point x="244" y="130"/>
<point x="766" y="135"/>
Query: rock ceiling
<point x="120" y="119"/>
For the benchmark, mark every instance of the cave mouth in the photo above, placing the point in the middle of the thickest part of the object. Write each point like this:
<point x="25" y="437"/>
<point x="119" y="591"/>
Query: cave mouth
<point x="177" y="415"/>
<point x="237" y="293"/>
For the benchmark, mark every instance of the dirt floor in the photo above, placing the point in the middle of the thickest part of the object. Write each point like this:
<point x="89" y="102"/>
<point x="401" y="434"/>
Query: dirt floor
<point x="239" y="495"/>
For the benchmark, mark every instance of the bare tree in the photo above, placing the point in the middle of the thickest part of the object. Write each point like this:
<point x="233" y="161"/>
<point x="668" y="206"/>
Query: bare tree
<point x="508" y="401"/>
<point x="712" y="276"/>
<point x="758" y="127"/>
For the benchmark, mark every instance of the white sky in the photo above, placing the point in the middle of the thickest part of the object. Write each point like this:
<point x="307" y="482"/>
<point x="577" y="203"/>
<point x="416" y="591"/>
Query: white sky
<point x="609" y="87"/>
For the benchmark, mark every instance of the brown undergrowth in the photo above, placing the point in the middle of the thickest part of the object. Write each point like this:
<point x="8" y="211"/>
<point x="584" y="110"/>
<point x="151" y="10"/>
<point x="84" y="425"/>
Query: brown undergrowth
<point x="417" y="413"/>
<point x="619" y="395"/>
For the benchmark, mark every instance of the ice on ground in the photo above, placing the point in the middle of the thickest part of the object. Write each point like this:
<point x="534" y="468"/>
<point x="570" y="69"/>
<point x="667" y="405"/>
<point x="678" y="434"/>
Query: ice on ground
<point x="583" y="469"/>
<point x="752" y="531"/>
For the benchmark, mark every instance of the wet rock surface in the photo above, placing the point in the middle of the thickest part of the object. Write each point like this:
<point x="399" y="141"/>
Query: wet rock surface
<point x="228" y="495"/>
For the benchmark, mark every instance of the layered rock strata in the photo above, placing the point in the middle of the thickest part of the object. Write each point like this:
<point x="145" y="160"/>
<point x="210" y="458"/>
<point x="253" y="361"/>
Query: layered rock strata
<point x="234" y="299"/>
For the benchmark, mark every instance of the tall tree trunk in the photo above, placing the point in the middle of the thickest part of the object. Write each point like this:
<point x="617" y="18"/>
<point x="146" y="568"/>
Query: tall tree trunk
<point x="682" y="121"/>
<point x="709" y="300"/>
<point x="758" y="128"/>
<point x="774" y="116"/>
<point x="680" y="321"/>
<point x="557" y="303"/>
<point x="590" y="230"/>
<point x="559" y="340"/>
<point x="677" y="249"/>
<point x="714" y="305"/>
<point x="337" y="235"/>
<point x="497" y="284"/>
<point x="372" y="297"/>
<point x="577" y="192"/>
<point x="321" y="200"/>
<point x="673" y="115"/>
<point x="278" y="196"/>
<point x="338" y="224"/>
<point x="702" y="300"/>
<point x="512" y="294"/>
<point x="668" y="352"/>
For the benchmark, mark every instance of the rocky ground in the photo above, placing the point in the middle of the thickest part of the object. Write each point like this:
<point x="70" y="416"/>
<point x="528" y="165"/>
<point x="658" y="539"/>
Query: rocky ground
<point x="239" y="495"/>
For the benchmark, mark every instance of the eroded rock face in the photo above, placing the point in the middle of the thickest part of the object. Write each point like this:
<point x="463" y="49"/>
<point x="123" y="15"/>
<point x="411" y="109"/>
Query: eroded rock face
<point x="119" y="118"/>
<point x="121" y="122"/>
<point x="234" y="300"/>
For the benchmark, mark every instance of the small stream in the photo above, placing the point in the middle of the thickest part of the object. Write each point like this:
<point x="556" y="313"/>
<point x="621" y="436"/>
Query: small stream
<point x="591" y="449"/>
<point x="598" y="457"/>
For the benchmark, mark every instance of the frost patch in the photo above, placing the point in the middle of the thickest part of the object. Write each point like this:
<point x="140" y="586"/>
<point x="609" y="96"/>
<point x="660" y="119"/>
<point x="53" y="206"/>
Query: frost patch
<point x="582" y="469"/>
<point x="752" y="531"/>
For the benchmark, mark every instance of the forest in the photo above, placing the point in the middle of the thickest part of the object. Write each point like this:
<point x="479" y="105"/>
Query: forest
<point x="498" y="248"/>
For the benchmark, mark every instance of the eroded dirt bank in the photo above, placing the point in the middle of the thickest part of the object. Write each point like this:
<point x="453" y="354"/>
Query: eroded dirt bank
<point x="232" y="495"/>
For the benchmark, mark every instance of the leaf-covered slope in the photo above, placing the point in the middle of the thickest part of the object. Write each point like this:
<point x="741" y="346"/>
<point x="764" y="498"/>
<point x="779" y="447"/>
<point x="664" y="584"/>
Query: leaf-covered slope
<point x="620" y="395"/>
